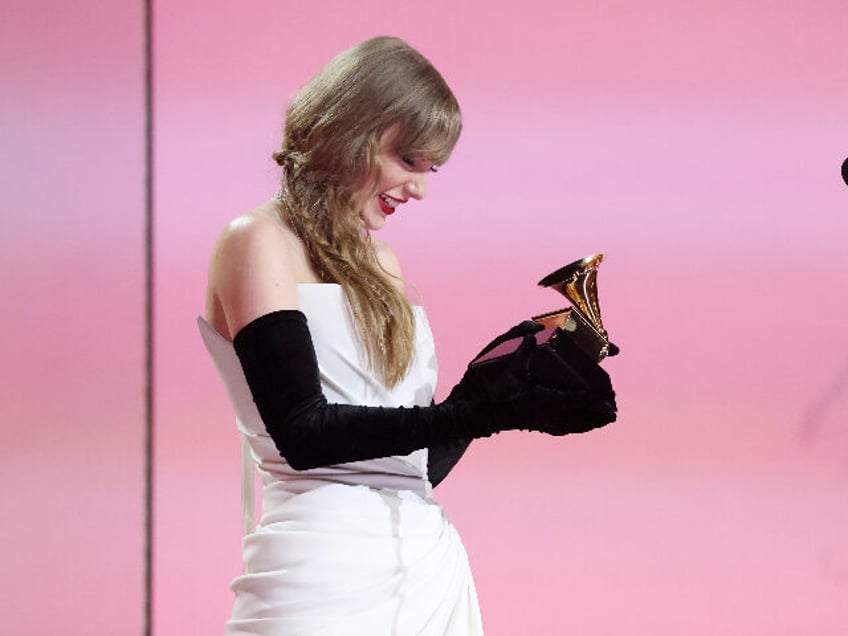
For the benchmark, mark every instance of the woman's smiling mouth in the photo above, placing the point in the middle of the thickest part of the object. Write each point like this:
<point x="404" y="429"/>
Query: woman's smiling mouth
<point x="388" y="204"/>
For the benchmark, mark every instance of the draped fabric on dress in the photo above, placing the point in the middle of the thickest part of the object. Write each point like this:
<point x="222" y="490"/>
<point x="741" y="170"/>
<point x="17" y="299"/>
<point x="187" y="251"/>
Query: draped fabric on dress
<point x="356" y="548"/>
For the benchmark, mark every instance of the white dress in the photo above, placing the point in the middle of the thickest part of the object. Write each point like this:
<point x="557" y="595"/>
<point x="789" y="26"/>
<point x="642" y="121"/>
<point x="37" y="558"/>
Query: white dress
<point x="357" y="548"/>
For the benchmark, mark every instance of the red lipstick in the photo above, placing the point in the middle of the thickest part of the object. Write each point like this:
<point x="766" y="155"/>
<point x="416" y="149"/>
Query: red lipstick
<point x="384" y="206"/>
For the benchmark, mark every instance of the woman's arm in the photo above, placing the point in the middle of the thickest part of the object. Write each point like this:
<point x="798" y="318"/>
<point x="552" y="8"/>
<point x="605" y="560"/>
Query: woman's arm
<point x="279" y="363"/>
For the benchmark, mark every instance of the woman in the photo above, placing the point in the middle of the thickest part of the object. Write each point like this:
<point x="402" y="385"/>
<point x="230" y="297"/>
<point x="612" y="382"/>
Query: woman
<point x="331" y="371"/>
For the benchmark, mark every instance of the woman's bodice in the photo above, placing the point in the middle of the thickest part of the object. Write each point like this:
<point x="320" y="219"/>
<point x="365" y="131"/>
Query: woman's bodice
<point x="346" y="379"/>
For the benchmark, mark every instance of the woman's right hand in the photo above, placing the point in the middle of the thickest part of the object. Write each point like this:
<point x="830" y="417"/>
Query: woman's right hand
<point x="553" y="389"/>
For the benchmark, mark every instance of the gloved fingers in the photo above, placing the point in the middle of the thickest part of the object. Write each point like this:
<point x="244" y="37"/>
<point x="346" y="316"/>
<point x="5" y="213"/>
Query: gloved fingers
<point x="579" y="362"/>
<point x="560" y="413"/>
<point x="506" y="372"/>
<point x="583" y="421"/>
<point x="567" y="371"/>
<point x="597" y="400"/>
<point x="524" y="328"/>
<point x="520" y="330"/>
<point x="602" y="403"/>
<point x="527" y="346"/>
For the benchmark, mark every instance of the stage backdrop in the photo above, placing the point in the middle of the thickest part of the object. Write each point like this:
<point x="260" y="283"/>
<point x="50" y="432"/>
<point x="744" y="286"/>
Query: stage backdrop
<point x="699" y="148"/>
<point x="72" y="317"/>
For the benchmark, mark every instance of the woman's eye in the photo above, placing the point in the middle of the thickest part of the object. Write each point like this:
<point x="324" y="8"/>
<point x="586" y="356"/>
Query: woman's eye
<point x="412" y="163"/>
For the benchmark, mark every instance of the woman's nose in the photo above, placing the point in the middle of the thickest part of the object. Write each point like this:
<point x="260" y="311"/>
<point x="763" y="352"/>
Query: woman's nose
<point x="416" y="187"/>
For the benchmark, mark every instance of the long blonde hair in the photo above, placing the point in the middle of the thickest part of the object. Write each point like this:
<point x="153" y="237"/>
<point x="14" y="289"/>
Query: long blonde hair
<point x="330" y="155"/>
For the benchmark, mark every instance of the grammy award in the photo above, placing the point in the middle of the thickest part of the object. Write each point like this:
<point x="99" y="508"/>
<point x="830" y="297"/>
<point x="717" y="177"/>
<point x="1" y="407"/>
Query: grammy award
<point x="581" y="322"/>
<point x="578" y="282"/>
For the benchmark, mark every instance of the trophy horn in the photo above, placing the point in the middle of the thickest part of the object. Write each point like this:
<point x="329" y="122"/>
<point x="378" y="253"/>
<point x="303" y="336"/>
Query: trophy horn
<point x="577" y="281"/>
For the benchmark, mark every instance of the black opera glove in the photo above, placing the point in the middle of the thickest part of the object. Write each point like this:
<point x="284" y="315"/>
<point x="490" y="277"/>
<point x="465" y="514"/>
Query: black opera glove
<point x="281" y="369"/>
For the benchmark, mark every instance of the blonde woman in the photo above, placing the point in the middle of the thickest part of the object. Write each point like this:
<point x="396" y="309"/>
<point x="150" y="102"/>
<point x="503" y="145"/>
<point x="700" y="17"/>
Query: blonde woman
<point x="331" y="371"/>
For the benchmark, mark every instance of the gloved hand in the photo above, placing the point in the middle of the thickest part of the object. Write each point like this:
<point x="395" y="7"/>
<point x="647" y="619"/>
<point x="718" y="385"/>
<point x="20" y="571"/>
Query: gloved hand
<point x="552" y="387"/>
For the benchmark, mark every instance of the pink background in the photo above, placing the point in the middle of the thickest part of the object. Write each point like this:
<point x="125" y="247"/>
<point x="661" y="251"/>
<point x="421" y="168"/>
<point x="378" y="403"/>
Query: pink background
<point x="71" y="360"/>
<point x="699" y="148"/>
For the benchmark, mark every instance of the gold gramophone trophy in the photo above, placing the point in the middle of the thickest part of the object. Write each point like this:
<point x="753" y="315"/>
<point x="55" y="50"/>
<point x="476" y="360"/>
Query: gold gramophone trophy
<point x="581" y="322"/>
<point x="578" y="282"/>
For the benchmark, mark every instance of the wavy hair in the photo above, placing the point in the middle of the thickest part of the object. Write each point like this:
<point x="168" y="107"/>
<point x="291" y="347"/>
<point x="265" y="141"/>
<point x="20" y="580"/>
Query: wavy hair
<point x="330" y="158"/>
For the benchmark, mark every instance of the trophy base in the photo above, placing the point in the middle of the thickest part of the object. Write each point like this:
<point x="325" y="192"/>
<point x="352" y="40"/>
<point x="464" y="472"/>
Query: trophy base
<point x="565" y="323"/>
<point x="579" y="329"/>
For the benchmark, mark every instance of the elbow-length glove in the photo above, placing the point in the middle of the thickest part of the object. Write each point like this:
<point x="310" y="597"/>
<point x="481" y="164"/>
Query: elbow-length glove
<point x="281" y="368"/>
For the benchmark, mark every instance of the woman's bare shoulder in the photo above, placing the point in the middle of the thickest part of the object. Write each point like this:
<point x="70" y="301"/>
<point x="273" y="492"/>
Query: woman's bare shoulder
<point x="256" y="228"/>
<point x="252" y="270"/>
<point x="387" y="259"/>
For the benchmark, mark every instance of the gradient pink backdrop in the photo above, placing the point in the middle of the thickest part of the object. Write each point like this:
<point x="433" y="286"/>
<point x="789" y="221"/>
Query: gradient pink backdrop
<point x="699" y="147"/>
<point x="71" y="275"/>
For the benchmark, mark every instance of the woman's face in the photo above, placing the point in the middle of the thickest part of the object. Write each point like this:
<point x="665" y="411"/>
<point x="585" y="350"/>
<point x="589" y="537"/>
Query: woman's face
<point x="402" y="178"/>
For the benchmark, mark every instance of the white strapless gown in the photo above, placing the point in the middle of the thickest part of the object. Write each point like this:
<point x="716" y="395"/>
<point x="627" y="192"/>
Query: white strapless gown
<point x="357" y="548"/>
